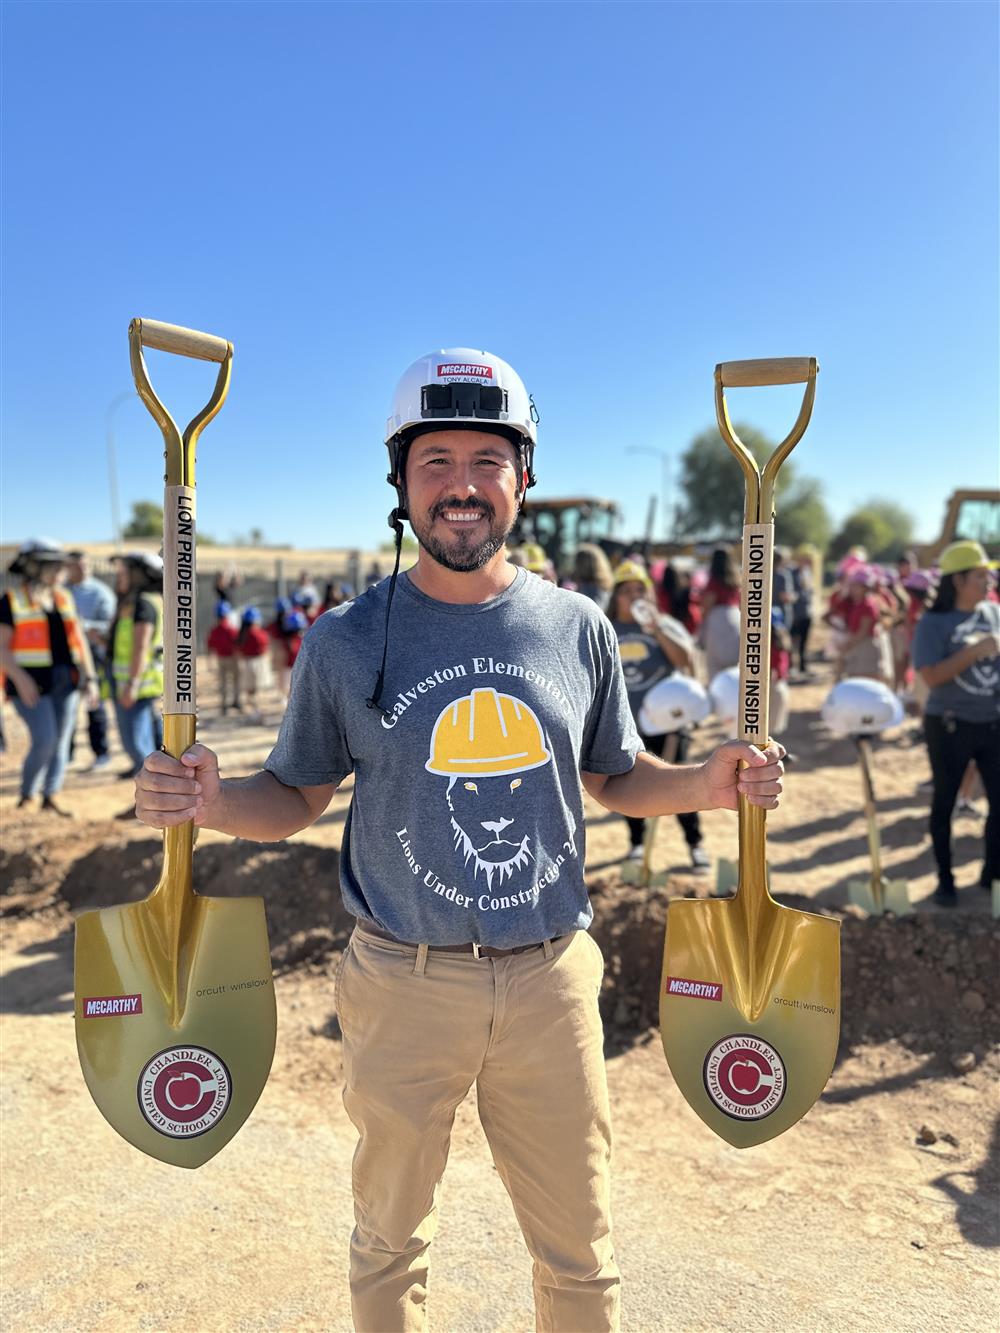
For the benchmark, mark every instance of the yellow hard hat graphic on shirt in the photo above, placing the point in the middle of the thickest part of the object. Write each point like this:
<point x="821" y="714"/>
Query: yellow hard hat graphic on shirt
<point x="633" y="650"/>
<point x="486" y="733"/>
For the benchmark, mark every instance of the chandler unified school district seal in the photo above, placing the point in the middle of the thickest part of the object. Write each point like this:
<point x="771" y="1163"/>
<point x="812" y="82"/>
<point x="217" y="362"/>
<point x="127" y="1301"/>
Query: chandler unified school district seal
<point x="184" y="1091"/>
<point x="745" y="1077"/>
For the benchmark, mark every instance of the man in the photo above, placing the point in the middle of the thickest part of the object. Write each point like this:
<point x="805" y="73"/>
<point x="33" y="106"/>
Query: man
<point x="463" y="854"/>
<point x="95" y="607"/>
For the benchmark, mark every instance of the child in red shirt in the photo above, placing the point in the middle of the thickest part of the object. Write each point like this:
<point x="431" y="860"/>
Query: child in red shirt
<point x="222" y="640"/>
<point x="781" y="661"/>
<point x="293" y="626"/>
<point x="255" y="647"/>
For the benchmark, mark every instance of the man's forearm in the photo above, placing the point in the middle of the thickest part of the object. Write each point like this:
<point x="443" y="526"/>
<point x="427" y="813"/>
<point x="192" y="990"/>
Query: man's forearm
<point x="259" y="808"/>
<point x="652" y="787"/>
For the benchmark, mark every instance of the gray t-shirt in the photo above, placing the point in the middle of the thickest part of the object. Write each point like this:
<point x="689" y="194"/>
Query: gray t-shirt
<point x="974" y="694"/>
<point x="467" y="816"/>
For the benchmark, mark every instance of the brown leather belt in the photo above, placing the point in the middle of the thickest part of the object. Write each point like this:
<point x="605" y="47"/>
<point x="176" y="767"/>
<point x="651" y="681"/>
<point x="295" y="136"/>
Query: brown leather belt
<point x="476" y="950"/>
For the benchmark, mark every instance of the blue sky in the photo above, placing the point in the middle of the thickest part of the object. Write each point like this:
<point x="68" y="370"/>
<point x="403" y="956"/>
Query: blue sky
<point x="612" y="197"/>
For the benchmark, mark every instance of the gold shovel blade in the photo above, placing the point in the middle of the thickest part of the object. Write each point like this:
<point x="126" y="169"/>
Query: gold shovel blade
<point x="176" y="1063"/>
<point x="750" y="1021"/>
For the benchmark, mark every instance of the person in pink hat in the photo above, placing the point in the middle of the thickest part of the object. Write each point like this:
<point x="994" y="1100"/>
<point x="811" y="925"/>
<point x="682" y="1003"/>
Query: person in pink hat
<point x="862" y="648"/>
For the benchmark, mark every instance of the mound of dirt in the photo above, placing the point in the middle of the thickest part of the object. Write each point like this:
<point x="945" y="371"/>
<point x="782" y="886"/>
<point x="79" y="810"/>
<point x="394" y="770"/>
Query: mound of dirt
<point x="927" y="980"/>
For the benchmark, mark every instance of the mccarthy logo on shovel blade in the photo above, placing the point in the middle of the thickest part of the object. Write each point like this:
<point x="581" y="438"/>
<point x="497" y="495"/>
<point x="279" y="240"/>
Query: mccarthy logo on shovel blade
<point x="698" y="990"/>
<point x="102" y="1006"/>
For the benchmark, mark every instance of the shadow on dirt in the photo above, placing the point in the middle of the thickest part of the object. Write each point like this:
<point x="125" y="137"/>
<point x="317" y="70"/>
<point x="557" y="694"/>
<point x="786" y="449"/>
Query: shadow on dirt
<point x="976" y="1209"/>
<point x="967" y="848"/>
<point x="794" y="832"/>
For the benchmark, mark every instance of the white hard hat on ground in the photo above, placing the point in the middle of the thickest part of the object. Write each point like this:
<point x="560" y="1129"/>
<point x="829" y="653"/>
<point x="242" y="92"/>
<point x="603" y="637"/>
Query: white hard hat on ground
<point x="724" y="689"/>
<point x="674" y="704"/>
<point x="859" y="706"/>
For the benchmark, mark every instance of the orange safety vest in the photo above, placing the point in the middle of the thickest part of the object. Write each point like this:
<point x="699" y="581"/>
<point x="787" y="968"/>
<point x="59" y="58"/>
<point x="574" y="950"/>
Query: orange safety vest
<point x="30" y="644"/>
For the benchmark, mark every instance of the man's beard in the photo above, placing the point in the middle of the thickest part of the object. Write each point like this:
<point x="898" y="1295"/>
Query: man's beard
<point x="462" y="553"/>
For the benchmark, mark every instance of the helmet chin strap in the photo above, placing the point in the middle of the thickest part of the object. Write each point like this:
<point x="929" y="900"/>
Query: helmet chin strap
<point x="395" y="522"/>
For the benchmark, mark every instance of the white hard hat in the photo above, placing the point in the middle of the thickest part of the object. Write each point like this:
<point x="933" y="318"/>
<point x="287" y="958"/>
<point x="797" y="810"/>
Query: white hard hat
<point x="150" y="564"/>
<point x="459" y="386"/>
<point x="859" y="706"/>
<point x="43" y="548"/>
<point x="725" y="691"/>
<point x="674" y="704"/>
<point x="35" y="552"/>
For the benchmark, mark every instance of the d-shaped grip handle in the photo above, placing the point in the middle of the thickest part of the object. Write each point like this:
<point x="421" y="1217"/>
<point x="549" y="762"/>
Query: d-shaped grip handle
<point x="182" y="342"/>
<point x="770" y="370"/>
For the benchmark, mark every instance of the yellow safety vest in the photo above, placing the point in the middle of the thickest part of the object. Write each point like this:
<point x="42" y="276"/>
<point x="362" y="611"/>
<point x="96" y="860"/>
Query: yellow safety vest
<point x="151" y="680"/>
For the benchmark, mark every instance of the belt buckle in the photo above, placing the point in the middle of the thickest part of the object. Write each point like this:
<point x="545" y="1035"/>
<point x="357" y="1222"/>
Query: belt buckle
<point x="475" y="950"/>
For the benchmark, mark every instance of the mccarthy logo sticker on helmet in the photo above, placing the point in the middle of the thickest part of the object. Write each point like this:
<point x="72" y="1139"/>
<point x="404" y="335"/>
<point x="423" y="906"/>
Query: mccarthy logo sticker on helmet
<point x="464" y="370"/>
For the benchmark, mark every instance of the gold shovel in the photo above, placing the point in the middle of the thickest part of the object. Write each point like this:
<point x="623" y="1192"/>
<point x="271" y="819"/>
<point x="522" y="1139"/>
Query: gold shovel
<point x="750" y="993"/>
<point x="175" y="1014"/>
<point x="877" y="894"/>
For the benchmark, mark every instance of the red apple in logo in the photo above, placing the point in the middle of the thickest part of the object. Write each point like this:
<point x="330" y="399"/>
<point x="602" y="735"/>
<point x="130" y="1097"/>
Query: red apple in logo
<point x="183" y="1092"/>
<point x="744" y="1076"/>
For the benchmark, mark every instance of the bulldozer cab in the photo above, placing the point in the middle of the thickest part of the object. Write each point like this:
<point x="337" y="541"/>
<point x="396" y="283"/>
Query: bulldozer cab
<point x="559" y="526"/>
<point x="970" y="515"/>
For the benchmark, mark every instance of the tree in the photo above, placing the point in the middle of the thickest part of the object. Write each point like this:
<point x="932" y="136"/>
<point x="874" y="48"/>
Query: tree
<point x="146" y="520"/>
<point x="882" y="527"/>
<point x="409" y="546"/>
<point x="802" y="516"/>
<point x="713" y="485"/>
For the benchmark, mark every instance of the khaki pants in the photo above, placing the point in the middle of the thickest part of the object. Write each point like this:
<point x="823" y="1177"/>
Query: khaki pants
<point x="419" y="1029"/>
<point x="229" y="681"/>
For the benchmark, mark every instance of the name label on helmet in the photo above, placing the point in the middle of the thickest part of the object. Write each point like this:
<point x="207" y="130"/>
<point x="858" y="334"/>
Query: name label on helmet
<point x="464" y="370"/>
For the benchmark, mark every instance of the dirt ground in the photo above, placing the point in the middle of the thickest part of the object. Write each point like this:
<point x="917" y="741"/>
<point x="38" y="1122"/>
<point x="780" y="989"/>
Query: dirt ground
<point x="881" y="1209"/>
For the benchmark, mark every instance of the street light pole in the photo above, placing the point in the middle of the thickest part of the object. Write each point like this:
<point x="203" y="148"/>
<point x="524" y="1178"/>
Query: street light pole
<point x="664" y="458"/>
<point x="116" y="525"/>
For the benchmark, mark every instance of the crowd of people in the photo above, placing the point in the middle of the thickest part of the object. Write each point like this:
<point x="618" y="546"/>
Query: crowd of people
<point x="933" y="635"/>
<point x="66" y="638"/>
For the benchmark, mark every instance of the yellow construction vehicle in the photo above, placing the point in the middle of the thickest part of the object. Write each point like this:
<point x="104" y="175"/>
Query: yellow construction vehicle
<point x="970" y="515"/>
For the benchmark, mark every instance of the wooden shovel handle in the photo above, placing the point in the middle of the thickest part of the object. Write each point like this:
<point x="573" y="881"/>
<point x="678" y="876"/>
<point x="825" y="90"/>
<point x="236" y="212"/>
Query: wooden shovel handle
<point x="769" y="370"/>
<point x="182" y="342"/>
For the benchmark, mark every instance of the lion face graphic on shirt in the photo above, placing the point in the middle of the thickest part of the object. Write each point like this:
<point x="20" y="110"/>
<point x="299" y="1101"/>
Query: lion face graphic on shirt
<point x="486" y="822"/>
